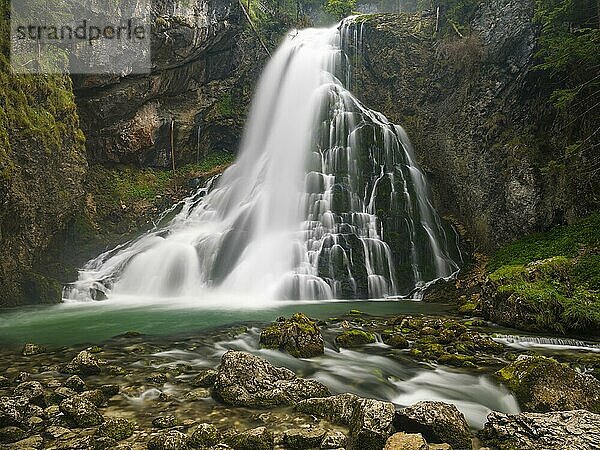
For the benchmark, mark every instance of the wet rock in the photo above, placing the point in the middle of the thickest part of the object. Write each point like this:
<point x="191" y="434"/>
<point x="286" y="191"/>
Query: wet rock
<point x="542" y="431"/>
<point x="396" y="340"/>
<point x="81" y="412"/>
<point x="542" y="384"/>
<point x="16" y="411"/>
<point x="300" y="439"/>
<point x="404" y="441"/>
<point x="31" y="349"/>
<point x="83" y="364"/>
<point x="104" y="443"/>
<point x="205" y="379"/>
<point x="55" y="432"/>
<point x="76" y="383"/>
<point x="4" y="382"/>
<point x="117" y="428"/>
<point x="62" y="393"/>
<point x="205" y="435"/>
<point x="11" y="434"/>
<point x="168" y="440"/>
<point x="255" y="439"/>
<point x="197" y="394"/>
<point x="165" y="422"/>
<point x="108" y="390"/>
<point x="33" y="391"/>
<point x="299" y="336"/>
<point x="371" y="424"/>
<point x="94" y="396"/>
<point x="354" y="338"/>
<point x="437" y="421"/>
<point x="337" y="409"/>
<point x="334" y="440"/>
<point x="28" y="443"/>
<point x="247" y="380"/>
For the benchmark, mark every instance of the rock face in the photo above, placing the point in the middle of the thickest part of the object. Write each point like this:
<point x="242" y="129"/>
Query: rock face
<point x="42" y="166"/>
<point x="478" y="116"/>
<point x="542" y="384"/>
<point x="247" y="380"/>
<point x="563" y="430"/>
<point x="299" y="336"/>
<point x="204" y="68"/>
<point x="438" y="422"/>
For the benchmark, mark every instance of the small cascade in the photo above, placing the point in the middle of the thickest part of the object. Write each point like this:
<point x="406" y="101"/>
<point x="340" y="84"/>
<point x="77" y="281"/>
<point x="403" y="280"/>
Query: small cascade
<point x="324" y="201"/>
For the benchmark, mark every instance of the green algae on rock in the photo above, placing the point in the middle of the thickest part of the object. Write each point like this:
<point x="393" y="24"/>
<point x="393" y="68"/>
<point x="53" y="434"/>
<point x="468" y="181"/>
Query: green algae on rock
<point x="354" y="338"/>
<point x="299" y="336"/>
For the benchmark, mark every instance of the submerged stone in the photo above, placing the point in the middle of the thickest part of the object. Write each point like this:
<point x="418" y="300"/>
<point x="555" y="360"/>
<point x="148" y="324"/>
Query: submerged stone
<point x="299" y="336"/>
<point x="302" y="439"/>
<point x="255" y="439"/>
<point x="31" y="349"/>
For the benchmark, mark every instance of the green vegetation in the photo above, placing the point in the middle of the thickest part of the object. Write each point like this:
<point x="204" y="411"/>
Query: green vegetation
<point x="556" y="275"/>
<point x="339" y="8"/>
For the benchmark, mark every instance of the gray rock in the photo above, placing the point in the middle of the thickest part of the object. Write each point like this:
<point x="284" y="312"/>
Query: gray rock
<point x="247" y="380"/>
<point x="83" y="364"/>
<point x="337" y="409"/>
<point x="562" y="430"/>
<point x="168" y="440"/>
<point x="438" y="422"/>
<point x="27" y="444"/>
<point x="205" y="435"/>
<point x="117" y="428"/>
<point x="404" y="441"/>
<point x="33" y="391"/>
<point x="371" y="424"/>
<point x="17" y="411"/>
<point x="76" y="383"/>
<point x="205" y="379"/>
<point x="255" y="439"/>
<point x="334" y="440"/>
<point x="81" y="412"/>
<point x="299" y="336"/>
<point x="300" y="439"/>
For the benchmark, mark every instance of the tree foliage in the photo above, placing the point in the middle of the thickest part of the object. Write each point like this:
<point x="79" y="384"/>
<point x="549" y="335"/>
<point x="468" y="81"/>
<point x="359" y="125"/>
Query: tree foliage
<point x="340" y="8"/>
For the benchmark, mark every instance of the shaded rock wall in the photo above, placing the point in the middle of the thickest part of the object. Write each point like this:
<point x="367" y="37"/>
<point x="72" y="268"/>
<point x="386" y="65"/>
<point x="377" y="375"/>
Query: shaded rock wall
<point x="205" y="63"/>
<point x="478" y="113"/>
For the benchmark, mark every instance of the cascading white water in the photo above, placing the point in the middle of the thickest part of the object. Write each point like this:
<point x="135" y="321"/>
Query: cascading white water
<point x="324" y="201"/>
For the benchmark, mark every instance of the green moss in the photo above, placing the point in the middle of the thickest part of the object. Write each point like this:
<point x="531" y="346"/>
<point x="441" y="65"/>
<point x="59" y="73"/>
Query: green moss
<point x="560" y="241"/>
<point x="354" y="338"/>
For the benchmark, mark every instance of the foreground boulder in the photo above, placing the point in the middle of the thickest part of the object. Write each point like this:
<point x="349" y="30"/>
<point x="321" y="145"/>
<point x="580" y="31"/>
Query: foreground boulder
<point x="437" y="422"/>
<point x="542" y="384"/>
<point x="573" y="430"/>
<point x="369" y="421"/>
<point x="404" y="441"/>
<point x="168" y="440"/>
<point x="299" y="336"/>
<point x="81" y="412"/>
<point x="16" y="411"/>
<point x="255" y="439"/>
<point x="247" y="380"/>
<point x="83" y="364"/>
<point x="117" y="428"/>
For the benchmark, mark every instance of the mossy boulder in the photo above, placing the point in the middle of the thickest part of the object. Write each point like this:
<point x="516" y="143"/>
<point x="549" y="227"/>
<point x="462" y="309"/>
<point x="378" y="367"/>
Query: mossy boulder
<point x="81" y="412"/>
<point x="117" y="428"/>
<point x="396" y="340"/>
<point x="542" y="384"/>
<point x="255" y="439"/>
<point x="299" y="336"/>
<point x="354" y="338"/>
<point x="168" y="440"/>
<point x="205" y="435"/>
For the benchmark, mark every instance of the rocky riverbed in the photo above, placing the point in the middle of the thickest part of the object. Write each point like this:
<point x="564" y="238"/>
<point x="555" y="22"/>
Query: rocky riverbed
<point x="355" y="382"/>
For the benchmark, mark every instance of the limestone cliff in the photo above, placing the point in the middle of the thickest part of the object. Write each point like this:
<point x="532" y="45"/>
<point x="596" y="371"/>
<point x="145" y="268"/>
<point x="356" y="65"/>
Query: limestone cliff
<point x="478" y="112"/>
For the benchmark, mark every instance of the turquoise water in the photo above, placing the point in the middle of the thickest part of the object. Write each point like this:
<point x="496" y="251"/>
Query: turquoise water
<point x="94" y="322"/>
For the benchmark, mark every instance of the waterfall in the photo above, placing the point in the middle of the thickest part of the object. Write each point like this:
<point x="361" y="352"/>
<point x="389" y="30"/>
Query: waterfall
<point x="324" y="201"/>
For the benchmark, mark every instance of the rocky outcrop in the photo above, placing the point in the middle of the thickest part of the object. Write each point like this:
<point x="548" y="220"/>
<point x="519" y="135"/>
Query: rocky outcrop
<point x="479" y="118"/>
<point x="42" y="166"/>
<point x="437" y="422"/>
<point x="247" y="380"/>
<point x="299" y="336"/>
<point x="204" y="68"/>
<point x="572" y="430"/>
<point x="543" y="384"/>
